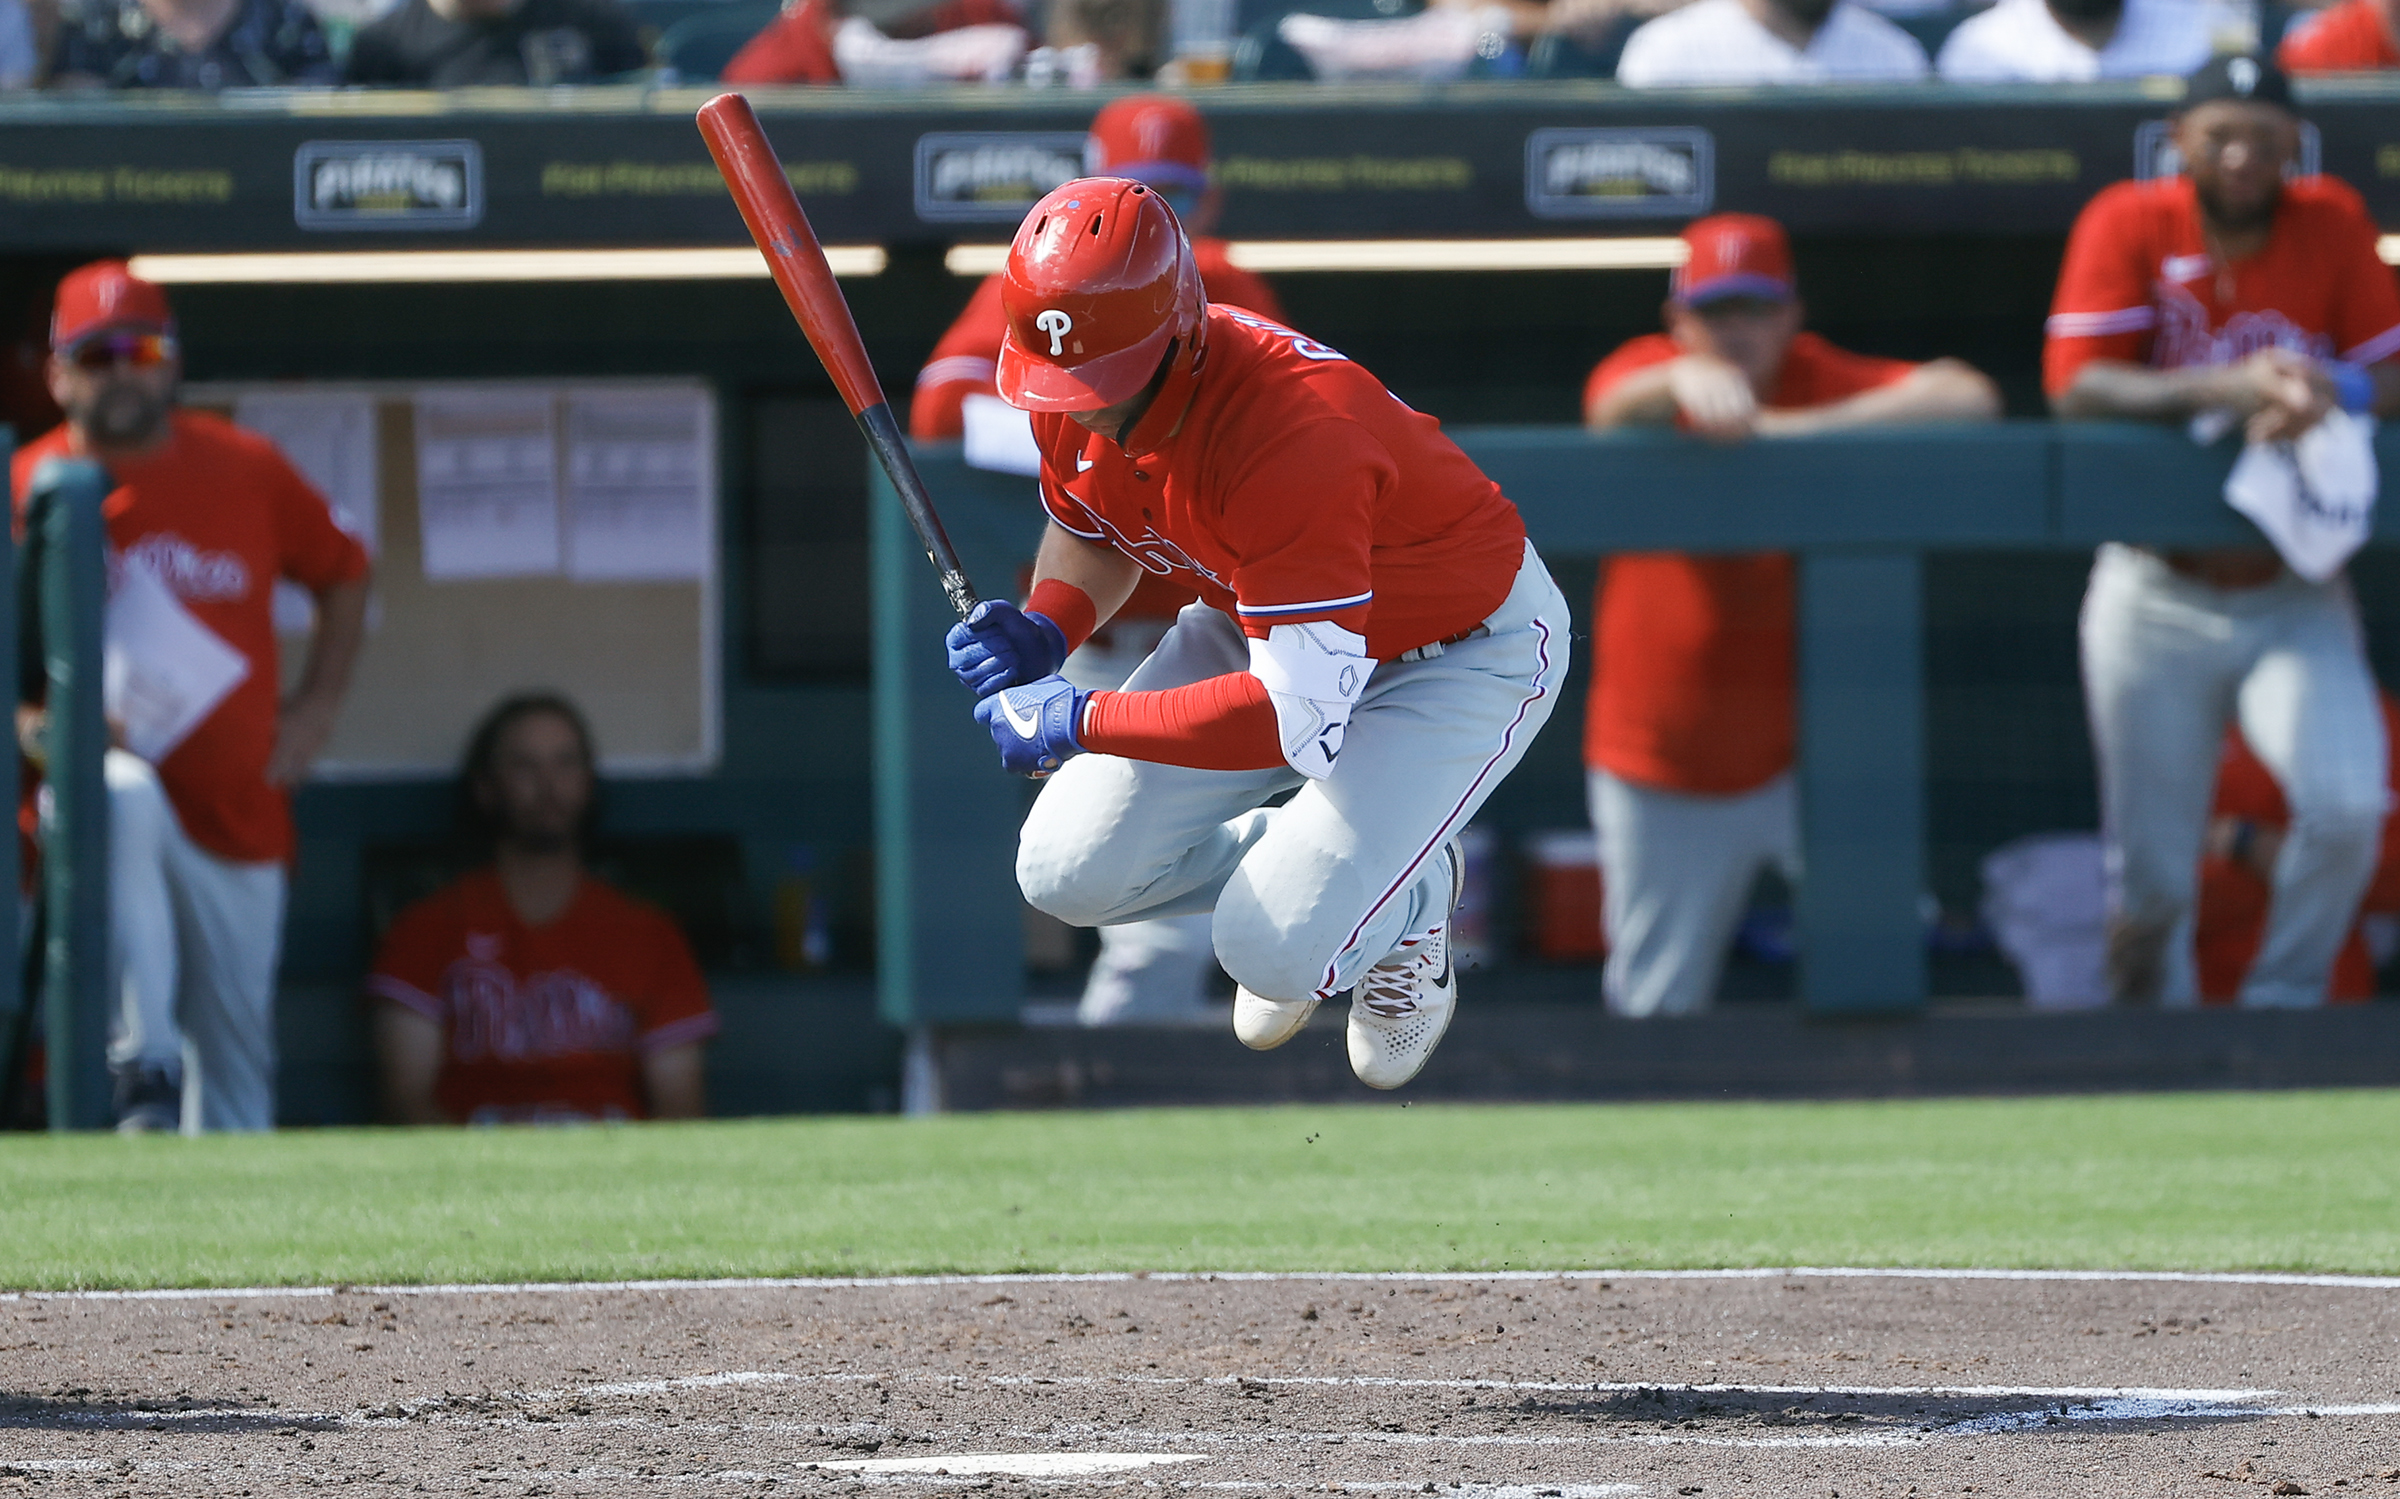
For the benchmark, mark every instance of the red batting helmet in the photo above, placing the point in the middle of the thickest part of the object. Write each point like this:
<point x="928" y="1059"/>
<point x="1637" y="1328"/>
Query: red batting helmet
<point x="1101" y="290"/>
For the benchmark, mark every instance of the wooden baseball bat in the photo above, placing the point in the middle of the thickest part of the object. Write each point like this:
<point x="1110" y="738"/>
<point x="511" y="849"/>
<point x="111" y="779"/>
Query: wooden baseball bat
<point x="772" y="211"/>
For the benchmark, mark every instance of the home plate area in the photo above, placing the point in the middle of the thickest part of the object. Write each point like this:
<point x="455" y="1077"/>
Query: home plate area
<point x="1801" y="1383"/>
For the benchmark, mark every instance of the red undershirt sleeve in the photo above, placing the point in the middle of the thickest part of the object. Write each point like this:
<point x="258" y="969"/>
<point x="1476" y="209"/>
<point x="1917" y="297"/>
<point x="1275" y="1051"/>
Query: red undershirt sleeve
<point x="1220" y="723"/>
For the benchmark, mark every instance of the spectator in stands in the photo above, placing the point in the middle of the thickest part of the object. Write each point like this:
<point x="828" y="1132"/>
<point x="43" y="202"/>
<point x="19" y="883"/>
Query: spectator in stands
<point x="187" y="44"/>
<point x="1734" y="42"/>
<point x="203" y="519"/>
<point x="497" y="43"/>
<point x="20" y="55"/>
<point x="1690" y="732"/>
<point x="2227" y="289"/>
<point x="1086" y="43"/>
<point x="2246" y="831"/>
<point x="800" y="44"/>
<point x="2353" y="36"/>
<point x="1151" y="970"/>
<point x="2076" y="41"/>
<point x="529" y="991"/>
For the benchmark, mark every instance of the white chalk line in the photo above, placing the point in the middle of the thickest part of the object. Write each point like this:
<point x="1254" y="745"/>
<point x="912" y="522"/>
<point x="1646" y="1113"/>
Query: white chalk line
<point x="1182" y="1277"/>
<point x="1018" y="1464"/>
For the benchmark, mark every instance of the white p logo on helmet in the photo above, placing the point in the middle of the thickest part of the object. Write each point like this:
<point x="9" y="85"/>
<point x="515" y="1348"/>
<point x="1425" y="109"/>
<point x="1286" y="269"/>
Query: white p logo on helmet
<point x="2242" y="73"/>
<point x="1057" y="324"/>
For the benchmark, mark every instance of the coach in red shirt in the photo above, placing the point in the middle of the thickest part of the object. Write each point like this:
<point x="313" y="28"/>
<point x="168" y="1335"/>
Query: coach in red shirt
<point x="2232" y="288"/>
<point x="1689" y="730"/>
<point x="204" y="518"/>
<point x="529" y="992"/>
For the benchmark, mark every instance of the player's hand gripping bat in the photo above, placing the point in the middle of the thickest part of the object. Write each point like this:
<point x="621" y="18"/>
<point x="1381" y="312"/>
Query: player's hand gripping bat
<point x="772" y="210"/>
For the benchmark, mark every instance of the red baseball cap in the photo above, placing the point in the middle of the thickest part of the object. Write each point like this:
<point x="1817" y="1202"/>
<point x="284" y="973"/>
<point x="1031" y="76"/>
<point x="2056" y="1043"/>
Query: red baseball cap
<point x="106" y="294"/>
<point x="1734" y="255"/>
<point x="1150" y="138"/>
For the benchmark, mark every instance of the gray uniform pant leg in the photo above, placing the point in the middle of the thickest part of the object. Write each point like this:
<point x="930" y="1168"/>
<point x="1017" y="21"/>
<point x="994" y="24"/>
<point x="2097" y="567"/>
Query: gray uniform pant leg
<point x="1676" y="875"/>
<point x="193" y="945"/>
<point x="1309" y="894"/>
<point x="1147" y="971"/>
<point x="2168" y="662"/>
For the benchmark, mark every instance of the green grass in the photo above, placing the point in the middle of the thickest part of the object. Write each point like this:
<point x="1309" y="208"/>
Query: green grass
<point x="2286" y="1181"/>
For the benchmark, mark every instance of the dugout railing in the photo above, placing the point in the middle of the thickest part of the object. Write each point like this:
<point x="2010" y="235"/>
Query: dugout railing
<point x="1861" y="511"/>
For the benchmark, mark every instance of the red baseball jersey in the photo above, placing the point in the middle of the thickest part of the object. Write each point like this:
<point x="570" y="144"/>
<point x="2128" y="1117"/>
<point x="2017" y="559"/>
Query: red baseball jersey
<point x="1297" y="488"/>
<point x="963" y="363"/>
<point x="2231" y="917"/>
<point x="1692" y="676"/>
<point x="2352" y="37"/>
<point x="2140" y="285"/>
<point x="219" y="514"/>
<point x="543" y="1022"/>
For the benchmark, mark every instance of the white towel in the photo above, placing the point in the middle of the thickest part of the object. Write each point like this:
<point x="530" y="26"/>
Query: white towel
<point x="2314" y="497"/>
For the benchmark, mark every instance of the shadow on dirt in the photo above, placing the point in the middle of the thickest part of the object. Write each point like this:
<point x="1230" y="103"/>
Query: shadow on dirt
<point x="77" y="1411"/>
<point x="1898" y="1410"/>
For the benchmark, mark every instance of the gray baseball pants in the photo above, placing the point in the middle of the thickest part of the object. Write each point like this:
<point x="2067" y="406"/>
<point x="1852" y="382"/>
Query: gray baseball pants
<point x="1306" y="895"/>
<point x="2168" y="662"/>
<point x="193" y="942"/>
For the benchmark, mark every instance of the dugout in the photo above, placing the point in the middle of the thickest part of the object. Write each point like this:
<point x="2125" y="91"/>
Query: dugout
<point x="1926" y="222"/>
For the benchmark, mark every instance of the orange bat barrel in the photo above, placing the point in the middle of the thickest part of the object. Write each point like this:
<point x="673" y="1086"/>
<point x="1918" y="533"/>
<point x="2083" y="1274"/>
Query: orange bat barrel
<point x="772" y="211"/>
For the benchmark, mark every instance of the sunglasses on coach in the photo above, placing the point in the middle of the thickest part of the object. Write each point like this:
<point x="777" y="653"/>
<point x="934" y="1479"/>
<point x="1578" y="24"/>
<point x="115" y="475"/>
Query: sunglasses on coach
<point x="140" y="350"/>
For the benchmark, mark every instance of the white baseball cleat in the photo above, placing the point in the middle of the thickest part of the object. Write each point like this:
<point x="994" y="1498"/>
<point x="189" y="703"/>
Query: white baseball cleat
<point x="1264" y="1024"/>
<point x="1400" y="1010"/>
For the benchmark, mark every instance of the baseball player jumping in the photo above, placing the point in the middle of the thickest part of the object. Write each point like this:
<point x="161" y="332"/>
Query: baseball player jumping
<point x="1373" y="630"/>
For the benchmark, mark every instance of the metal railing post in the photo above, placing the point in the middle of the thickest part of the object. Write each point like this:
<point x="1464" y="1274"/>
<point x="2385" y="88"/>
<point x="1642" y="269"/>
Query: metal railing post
<point x="64" y="534"/>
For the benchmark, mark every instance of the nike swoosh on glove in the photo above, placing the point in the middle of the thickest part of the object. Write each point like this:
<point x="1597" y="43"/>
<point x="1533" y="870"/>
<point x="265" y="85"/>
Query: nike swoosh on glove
<point x="1000" y="645"/>
<point x="1034" y="725"/>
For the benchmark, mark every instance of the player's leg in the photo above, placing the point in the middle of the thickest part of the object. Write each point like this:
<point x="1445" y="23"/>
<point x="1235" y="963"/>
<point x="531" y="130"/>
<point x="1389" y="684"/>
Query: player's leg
<point x="1677" y="872"/>
<point x="230" y="919"/>
<point x="1355" y="869"/>
<point x="145" y="1049"/>
<point x="2161" y="660"/>
<point x="1147" y="971"/>
<point x="2310" y="713"/>
<point x="1111" y="840"/>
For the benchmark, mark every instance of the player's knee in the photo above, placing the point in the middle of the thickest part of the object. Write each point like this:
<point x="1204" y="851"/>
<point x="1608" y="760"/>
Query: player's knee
<point x="1061" y="881"/>
<point x="2340" y="814"/>
<point x="1264" y="956"/>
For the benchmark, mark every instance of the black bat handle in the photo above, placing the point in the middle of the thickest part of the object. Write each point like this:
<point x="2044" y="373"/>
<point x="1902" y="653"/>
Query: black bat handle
<point x="891" y="450"/>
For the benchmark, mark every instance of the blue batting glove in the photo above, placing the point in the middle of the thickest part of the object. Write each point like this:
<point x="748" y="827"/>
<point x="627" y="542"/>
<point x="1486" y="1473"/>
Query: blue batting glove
<point x="1000" y="645"/>
<point x="1034" y="725"/>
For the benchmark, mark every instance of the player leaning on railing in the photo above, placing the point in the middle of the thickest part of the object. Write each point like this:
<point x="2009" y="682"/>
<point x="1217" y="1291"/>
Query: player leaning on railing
<point x="1374" y="633"/>
<point x="2234" y="288"/>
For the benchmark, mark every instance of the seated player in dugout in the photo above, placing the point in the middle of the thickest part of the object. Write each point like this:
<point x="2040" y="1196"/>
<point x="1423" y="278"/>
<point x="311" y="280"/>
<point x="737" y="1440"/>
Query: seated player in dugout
<point x="1148" y="970"/>
<point x="529" y="991"/>
<point x="1374" y="635"/>
<point x="2237" y="288"/>
<point x="2248" y="824"/>
<point x="1690" y="733"/>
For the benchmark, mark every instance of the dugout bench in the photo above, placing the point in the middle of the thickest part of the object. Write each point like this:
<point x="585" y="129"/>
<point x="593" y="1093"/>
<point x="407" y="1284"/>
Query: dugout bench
<point x="1860" y="510"/>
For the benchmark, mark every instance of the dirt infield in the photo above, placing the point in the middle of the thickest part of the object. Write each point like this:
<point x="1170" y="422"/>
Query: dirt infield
<point x="1774" y="1385"/>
